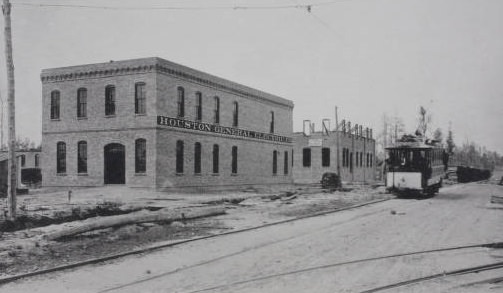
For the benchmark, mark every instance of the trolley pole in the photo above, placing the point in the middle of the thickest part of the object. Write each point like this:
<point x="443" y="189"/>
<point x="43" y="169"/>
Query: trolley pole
<point x="12" y="181"/>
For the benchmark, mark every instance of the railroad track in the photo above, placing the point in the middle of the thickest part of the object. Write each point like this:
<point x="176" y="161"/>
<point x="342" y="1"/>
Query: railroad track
<point x="172" y="244"/>
<point x="475" y="269"/>
<point x="314" y="268"/>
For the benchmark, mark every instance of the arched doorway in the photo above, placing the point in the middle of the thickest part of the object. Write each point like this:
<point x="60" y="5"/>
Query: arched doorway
<point x="115" y="163"/>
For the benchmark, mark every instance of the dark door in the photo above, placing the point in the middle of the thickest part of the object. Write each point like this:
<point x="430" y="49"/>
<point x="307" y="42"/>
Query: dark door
<point x="115" y="163"/>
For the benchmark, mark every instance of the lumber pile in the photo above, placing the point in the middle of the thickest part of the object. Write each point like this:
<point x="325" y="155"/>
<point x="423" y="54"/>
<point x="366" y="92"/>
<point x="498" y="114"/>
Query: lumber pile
<point x="162" y="215"/>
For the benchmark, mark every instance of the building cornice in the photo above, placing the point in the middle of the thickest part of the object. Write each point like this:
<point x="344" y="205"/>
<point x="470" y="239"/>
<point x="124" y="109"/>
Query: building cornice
<point x="156" y="65"/>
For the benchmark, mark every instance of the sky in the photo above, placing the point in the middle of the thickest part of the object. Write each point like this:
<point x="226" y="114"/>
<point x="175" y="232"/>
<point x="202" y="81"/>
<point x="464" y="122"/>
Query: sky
<point x="367" y="57"/>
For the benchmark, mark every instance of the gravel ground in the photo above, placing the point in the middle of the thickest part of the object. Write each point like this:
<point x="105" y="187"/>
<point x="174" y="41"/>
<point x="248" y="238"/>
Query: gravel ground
<point x="26" y="250"/>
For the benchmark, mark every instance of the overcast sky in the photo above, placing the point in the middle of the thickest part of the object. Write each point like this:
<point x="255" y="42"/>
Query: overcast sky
<point x="368" y="57"/>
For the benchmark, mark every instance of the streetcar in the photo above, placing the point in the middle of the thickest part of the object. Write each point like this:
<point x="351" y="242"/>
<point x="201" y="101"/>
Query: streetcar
<point x="415" y="166"/>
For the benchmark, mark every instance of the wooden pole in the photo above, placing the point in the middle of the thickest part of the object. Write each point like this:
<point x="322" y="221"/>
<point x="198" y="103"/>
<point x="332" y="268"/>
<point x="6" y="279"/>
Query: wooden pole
<point x="6" y="9"/>
<point x="337" y="137"/>
<point x="1" y="121"/>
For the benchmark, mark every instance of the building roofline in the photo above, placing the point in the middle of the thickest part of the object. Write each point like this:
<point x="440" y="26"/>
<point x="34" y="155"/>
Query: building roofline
<point x="159" y="65"/>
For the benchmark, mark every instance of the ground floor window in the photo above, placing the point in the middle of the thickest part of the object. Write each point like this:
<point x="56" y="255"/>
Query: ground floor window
<point x="61" y="157"/>
<point x="234" y="166"/>
<point x="306" y="157"/>
<point x="82" y="157"/>
<point x="179" y="156"/>
<point x="140" y="155"/>
<point x="285" y="163"/>
<point x="215" y="158"/>
<point x="274" y="162"/>
<point x="197" y="158"/>
<point x="325" y="157"/>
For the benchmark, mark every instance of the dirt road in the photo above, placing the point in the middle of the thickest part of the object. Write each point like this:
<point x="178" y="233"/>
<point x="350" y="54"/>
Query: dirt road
<point x="309" y="255"/>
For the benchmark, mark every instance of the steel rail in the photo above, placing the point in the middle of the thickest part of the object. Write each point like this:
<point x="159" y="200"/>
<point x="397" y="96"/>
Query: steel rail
<point x="485" y="245"/>
<point x="475" y="269"/>
<point x="8" y="279"/>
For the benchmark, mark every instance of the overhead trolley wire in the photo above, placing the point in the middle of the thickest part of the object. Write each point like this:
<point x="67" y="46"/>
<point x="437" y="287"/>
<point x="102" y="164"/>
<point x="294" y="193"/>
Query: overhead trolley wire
<point x="234" y="7"/>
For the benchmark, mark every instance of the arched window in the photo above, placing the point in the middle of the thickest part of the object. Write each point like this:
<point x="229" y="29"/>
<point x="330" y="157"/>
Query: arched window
<point x="179" y="156"/>
<point x="55" y="104"/>
<point x="60" y="157"/>
<point x="37" y="161"/>
<point x="217" y="110"/>
<point x="325" y="157"/>
<point x="140" y="157"/>
<point x="82" y="157"/>
<point x="181" y="102"/>
<point x="140" y="98"/>
<point x="234" y="166"/>
<point x="271" y="126"/>
<point x="81" y="103"/>
<point x="110" y="100"/>
<point x="199" y="106"/>
<point x="235" y="115"/>
<point x="215" y="158"/>
<point x="285" y="164"/>
<point x="197" y="158"/>
<point x="274" y="162"/>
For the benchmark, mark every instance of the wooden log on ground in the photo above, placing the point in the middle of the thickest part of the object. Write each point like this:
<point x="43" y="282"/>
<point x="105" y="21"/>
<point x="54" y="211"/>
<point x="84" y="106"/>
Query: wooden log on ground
<point x="497" y="199"/>
<point x="163" y="215"/>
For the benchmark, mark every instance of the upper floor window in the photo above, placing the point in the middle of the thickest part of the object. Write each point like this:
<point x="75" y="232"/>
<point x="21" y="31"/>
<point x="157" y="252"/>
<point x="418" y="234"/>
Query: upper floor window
<point x="140" y="155"/>
<point x="325" y="157"/>
<point x="110" y="100"/>
<point x="82" y="157"/>
<point x="61" y="157"/>
<point x="306" y="157"/>
<point x="140" y="98"/>
<point x="199" y="106"/>
<point x="271" y="126"/>
<point x="235" y="115"/>
<point x="37" y="161"/>
<point x="181" y="102"/>
<point x="216" y="110"/>
<point x="55" y="104"/>
<point x="82" y="103"/>
<point x="23" y="160"/>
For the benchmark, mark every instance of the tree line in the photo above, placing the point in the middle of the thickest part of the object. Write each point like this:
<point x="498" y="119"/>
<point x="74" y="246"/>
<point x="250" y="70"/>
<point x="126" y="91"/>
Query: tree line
<point x="467" y="154"/>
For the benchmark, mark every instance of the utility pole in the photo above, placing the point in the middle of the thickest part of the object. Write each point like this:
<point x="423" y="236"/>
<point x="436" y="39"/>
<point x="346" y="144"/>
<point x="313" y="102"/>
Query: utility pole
<point x="6" y="8"/>
<point x="337" y="137"/>
<point x="1" y="121"/>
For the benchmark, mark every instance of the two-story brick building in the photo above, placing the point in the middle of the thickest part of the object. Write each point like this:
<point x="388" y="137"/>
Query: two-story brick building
<point x="153" y="123"/>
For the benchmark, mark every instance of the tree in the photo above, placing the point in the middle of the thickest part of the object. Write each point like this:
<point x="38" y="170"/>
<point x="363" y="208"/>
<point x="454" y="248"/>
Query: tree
<point x="438" y="135"/>
<point x="450" y="142"/>
<point x="424" y="120"/>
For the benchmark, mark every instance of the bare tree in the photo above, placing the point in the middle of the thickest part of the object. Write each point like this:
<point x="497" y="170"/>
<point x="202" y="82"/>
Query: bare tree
<point x="450" y="141"/>
<point x="438" y="135"/>
<point x="424" y="120"/>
